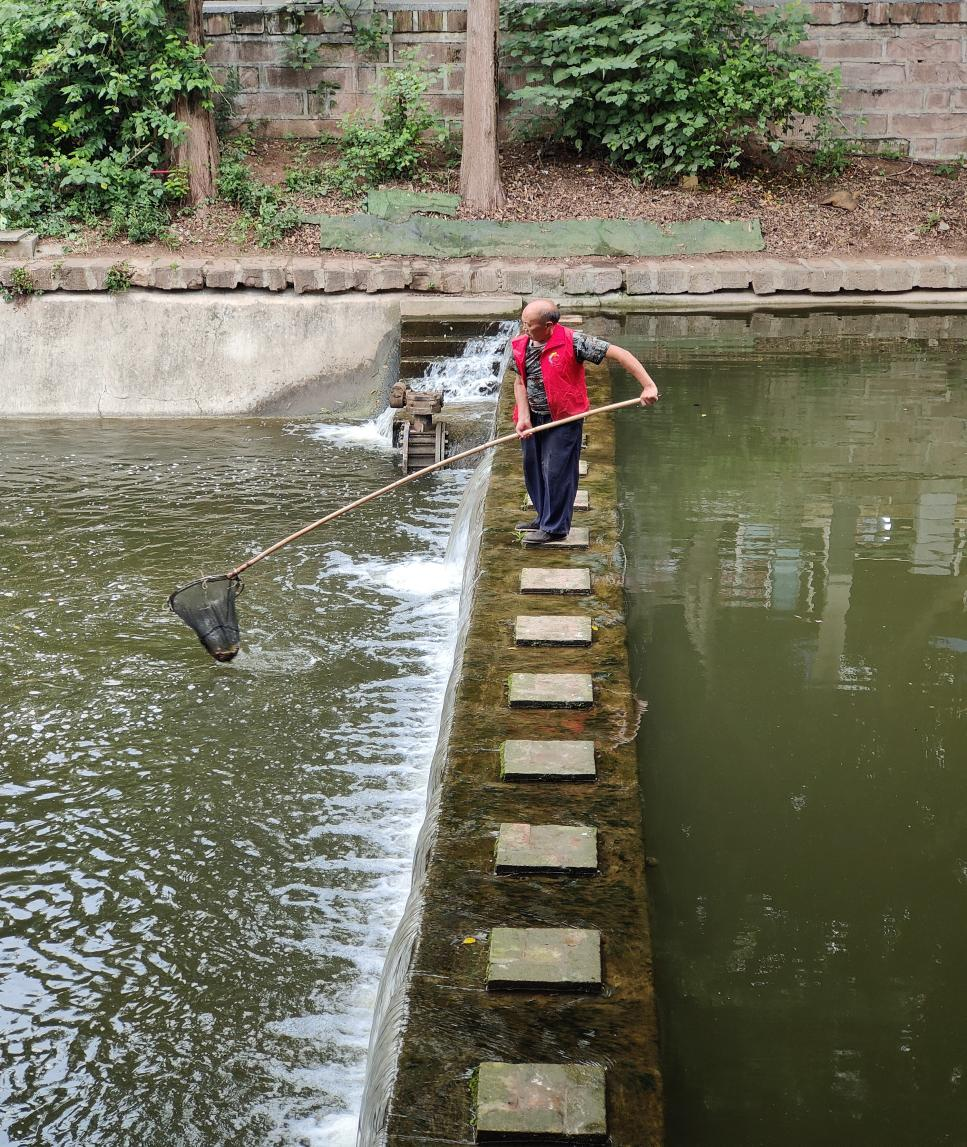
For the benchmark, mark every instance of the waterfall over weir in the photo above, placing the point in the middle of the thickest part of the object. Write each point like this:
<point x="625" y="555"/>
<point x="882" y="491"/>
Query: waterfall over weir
<point x="469" y="382"/>
<point x="390" y="1012"/>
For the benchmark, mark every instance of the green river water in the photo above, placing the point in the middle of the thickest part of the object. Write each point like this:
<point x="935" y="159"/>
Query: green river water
<point x="795" y="521"/>
<point x="201" y="866"/>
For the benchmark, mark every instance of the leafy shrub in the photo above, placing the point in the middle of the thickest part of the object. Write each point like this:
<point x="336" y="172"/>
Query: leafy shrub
<point x="391" y="144"/>
<point x="666" y="87"/>
<point x="87" y="94"/>
<point x="119" y="278"/>
<point x="265" y="211"/>
<point x="22" y="286"/>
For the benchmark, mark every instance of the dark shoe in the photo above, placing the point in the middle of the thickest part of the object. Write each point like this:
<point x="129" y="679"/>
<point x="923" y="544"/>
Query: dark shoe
<point x="542" y="537"/>
<point x="535" y="525"/>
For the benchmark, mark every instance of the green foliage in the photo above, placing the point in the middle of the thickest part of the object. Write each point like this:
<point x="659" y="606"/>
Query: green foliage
<point x="224" y="102"/>
<point x="176" y="185"/>
<point x="21" y="287"/>
<point x="369" y="34"/>
<point x="118" y="278"/>
<point x="266" y="214"/>
<point x="300" y="52"/>
<point x="952" y="168"/>
<point x="87" y="92"/>
<point x="391" y="144"/>
<point x="832" y="157"/>
<point x="665" y="87"/>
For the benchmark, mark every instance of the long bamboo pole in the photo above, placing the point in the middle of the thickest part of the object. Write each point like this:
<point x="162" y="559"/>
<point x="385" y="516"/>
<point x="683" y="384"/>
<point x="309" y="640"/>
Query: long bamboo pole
<point x="239" y="570"/>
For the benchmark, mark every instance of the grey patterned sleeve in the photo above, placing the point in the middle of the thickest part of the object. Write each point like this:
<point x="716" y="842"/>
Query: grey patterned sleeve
<point x="587" y="348"/>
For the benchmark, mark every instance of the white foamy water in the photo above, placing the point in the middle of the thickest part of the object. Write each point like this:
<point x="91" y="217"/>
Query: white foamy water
<point x="386" y="757"/>
<point x="471" y="377"/>
<point x="421" y="640"/>
<point x="475" y="375"/>
<point x="374" y="432"/>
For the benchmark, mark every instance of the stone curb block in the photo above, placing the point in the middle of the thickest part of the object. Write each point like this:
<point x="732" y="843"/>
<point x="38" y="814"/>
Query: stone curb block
<point x="179" y="274"/>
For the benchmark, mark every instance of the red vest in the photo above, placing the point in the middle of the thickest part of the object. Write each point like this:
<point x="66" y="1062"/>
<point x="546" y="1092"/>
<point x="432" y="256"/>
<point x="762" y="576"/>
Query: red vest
<point x="567" y="392"/>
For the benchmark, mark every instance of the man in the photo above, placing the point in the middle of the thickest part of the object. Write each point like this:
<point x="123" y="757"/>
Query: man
<point x="549" y="359"/>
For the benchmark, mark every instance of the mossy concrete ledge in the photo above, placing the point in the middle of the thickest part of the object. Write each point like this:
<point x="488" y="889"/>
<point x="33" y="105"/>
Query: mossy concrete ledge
<point x="527" y="1010"/>
<point x="607" y="278"/>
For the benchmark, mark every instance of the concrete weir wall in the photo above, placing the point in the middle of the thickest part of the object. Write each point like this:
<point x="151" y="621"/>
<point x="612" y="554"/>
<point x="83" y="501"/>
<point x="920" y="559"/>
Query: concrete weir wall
<point x="526" y="1011"/>
<point x="205" y="353"/>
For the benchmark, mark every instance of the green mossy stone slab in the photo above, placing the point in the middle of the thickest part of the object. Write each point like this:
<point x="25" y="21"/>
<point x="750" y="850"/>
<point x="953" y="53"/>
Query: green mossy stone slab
<point x="544" y="959"/>
<point x="550" y="1102"/>
<point x="579" y="538"/>
<point x="464" y="238"/>
<point x="552" y="630"/>
<point x="547" y="761"/>
<point x="555" y="581"/>
<point x="540" y="848"/>
<point x="551" y="691"/>
<point x="397" y="206"/>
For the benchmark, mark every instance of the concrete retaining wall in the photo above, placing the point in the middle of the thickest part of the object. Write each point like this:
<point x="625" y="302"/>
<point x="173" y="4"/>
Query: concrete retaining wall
<point x="903" y="64"/>
<point x="150" y="354"/>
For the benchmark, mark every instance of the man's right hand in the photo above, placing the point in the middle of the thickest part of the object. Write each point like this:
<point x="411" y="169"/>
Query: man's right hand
<point x="524" y="427"/>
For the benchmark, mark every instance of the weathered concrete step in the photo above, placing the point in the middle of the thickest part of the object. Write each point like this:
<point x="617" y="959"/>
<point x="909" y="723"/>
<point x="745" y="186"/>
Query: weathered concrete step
<point x="432" y="347"/>
<point x="582" y="501"/>
<point x="545" y="959"/>
<point x="555" y="581"/>
<point x="547" y="629"/>
<point x="537" y="848"/>
<point x="548" y="1102"/>
<point x="20" y="244"/>
<point x="551" y="691"/>
<point x="522" y="760"/>
<point x="579" y="538"/>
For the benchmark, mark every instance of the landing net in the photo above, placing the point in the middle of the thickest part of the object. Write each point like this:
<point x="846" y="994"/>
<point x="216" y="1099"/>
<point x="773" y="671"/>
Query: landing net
<point x="208" y="607"/>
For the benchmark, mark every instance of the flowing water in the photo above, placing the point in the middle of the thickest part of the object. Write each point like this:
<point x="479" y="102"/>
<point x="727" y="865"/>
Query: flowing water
<point x="795" y="521"/>
<point x="203" y="865"/>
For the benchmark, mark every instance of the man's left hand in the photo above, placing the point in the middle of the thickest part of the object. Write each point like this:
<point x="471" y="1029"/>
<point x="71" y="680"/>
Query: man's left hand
<point x="649" y="394"/>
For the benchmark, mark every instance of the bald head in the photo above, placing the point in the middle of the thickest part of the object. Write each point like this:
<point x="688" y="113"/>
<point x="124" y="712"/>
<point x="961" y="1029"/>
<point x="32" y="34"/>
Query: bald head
<point x="538" y="319"/>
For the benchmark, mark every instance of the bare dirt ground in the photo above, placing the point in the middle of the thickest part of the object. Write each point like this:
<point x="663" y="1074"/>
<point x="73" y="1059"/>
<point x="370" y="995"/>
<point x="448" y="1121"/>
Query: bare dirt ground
<point x="893" y="207"/>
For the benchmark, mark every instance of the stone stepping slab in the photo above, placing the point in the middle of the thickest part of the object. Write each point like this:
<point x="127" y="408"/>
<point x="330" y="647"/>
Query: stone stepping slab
<point x="582" y="501"/>
<point x="547" y="1102"/>
<point x="547" y="761"/>
<point x="549" y="630"/>
<point x="551" y="691"/>
<point x="555" y="581"/>
<point x="579" y="538"/>
<point x="545" y="959"/>
<point x="536" y="848"/>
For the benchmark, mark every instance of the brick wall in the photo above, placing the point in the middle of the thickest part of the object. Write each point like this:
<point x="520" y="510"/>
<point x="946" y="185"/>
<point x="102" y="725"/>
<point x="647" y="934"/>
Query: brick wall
<point x="903" y="65"/>
<point x="257" y="40"/>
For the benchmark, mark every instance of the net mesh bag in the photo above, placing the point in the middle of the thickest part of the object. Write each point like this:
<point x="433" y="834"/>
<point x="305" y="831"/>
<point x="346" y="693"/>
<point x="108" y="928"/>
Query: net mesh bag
<point x="208" y="607"/>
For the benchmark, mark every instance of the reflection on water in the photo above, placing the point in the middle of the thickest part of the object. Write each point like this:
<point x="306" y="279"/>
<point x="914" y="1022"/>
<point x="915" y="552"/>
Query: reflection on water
<point x="795" y="517"/>
<point x="203" y="865"/>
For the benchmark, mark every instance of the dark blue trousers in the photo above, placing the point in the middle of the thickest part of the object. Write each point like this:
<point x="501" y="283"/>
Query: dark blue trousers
<point x="551" y="472"/>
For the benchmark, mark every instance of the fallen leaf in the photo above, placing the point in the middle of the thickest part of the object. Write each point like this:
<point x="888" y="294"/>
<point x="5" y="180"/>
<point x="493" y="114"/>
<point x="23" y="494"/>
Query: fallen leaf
<point x="844" y="200"/>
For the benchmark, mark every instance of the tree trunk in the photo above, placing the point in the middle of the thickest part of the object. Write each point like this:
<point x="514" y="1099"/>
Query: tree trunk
<point x="198" y="153"/>
<point x="480" y="163"/>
